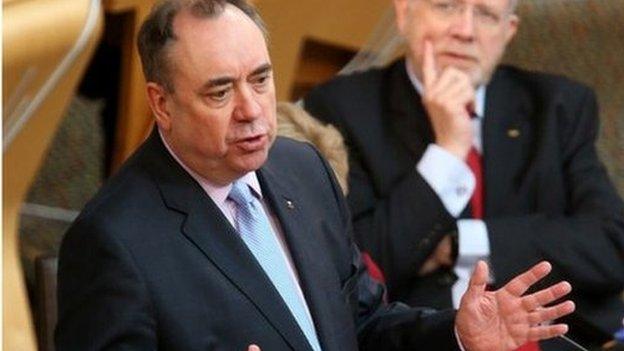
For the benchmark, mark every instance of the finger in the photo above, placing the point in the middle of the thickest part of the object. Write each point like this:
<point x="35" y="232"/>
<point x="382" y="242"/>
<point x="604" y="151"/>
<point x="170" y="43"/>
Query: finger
<point x="429" y="266"/>
<point x="542" y="332"/>
<point x="444" y="251"/>
<point x="551" y="313"/>
<point x="520" y="284"/>
<point x="430" y="74"/>
<point x="478" y="279"/>
<point x="471" y="108"/>
<point x="449" y="78"/>
<point x="253" y="347"/>
<point x="459" y="96"/>
<point x="546" y="296"/>
<point x="449" y="83"/>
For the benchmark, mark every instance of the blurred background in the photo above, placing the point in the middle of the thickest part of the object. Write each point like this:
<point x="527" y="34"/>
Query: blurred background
<point x="74" y="105"/>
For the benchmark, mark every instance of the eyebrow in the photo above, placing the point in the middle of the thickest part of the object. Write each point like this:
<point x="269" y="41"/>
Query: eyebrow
<point x="220" y="81"/>
<point x="265" y="68"/>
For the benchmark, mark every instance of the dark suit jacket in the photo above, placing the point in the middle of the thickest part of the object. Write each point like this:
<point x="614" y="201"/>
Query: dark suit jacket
<point x="152" y="263"/>
<point x="547" y="194"/>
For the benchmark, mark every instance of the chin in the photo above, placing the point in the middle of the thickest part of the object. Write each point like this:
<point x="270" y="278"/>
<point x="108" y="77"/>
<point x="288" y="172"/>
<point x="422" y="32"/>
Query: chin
<point x="254" y="161"/>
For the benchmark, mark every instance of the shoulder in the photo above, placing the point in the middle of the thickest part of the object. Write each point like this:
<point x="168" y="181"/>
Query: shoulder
<point x="302" y="166"/>
<point x="363" y="80"/>
<point x="542" y="83"/>
<point x="358" y="86"/>
<point x="558" y="105"/>
<point x="124" y="203"/>
<point x="297" y="155"/>
<point x="355" y="98"/>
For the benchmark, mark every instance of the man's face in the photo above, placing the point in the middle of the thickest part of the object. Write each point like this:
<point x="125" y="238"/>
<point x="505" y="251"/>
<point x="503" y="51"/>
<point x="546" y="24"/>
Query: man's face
<point x="220" y="118"/>
<point x="470" y="35"/>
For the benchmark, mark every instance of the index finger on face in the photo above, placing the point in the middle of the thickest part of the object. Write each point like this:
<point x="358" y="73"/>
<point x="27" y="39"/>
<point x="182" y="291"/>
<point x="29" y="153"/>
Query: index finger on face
<point x="429" y="67"/>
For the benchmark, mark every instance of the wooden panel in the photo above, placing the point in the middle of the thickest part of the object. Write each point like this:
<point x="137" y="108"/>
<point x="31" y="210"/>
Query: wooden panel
<point x="30" y="46"/>
<point x="133" y="116"/>
<point x="317" y="63"/>
<point x="344" y="23"/>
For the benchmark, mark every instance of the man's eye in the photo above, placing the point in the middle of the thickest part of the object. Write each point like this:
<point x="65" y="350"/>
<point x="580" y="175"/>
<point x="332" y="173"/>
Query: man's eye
<point x="488" y="16"/>
<point x="262" y="79"/>
<point x="444" y="5"/>
<point x="219" y="95"/>
<point x="261" y="82"/>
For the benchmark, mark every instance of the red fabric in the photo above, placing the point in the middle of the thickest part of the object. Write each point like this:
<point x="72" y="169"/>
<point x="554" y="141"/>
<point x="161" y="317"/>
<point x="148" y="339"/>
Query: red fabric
<point x="529" y="346"/>
<point x="476" y="166"/>
<point x="373" y="269"/>
<point x="475" y="163"/>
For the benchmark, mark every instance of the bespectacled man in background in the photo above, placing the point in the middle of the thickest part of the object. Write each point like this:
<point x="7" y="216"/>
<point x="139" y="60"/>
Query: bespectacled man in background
<point x="455" y="158"/>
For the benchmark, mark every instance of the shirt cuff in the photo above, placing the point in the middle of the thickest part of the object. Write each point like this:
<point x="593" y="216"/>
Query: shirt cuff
<point x="449" y="177"/>
<point x="473" y="241"/>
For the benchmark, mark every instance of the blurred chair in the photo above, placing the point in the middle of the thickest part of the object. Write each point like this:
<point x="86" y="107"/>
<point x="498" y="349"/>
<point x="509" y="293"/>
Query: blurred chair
<point x="47" y="45"/>
<point x="584" y="40"/>
<point x="45" y="300"/>
<point x="294" y="122"/>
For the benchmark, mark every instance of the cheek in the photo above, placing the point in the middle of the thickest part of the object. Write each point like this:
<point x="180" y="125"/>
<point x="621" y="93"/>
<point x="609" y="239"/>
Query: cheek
<point x="269" y="110"/>
<point x="492" y="51"/>
<point x="211" y="135"/>
<point x="416" y="36"/>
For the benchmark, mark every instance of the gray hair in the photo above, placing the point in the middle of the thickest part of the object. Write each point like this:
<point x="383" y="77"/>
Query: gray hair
<point x="156" y="32"/>
<point x="513" y="5"/>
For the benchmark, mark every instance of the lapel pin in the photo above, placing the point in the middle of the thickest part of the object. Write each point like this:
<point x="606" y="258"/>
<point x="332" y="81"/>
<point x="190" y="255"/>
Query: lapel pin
<point x="290" y="205"/>
<point x="513" y="133"/>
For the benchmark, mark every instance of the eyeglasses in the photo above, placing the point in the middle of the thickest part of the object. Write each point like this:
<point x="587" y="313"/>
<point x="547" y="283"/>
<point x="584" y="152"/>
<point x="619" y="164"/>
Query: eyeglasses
<point x="483" y="15"/>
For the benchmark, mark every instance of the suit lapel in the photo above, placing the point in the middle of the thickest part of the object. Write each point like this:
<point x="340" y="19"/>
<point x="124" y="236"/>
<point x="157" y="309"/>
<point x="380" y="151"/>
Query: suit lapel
<point x="319" y="284"/>
<point x="407" y="114"/>
<point x="208" y="229"/>
<point x="505" y="134"/>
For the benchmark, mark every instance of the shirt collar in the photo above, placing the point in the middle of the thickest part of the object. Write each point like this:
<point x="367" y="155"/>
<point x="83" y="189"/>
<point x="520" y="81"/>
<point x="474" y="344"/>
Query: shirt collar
<point x="217" y="193"/>
<point x="479" y="94"/>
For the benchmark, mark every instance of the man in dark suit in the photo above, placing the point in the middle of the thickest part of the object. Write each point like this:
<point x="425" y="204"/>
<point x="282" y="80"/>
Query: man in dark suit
<point x="214" y="237"/>
<point x="532" y="187"/>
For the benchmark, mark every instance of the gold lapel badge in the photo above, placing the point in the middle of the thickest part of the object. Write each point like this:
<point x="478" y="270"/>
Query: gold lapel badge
<point x="513" y="133"/>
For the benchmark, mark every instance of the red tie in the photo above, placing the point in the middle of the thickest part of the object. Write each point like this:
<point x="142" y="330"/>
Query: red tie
<point x="476" y="166"/>
<point x="476" y="204"/>
<point x="373" y="269"/>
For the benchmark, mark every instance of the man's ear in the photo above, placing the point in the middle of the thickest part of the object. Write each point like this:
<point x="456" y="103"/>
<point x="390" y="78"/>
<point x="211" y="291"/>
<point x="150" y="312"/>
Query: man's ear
<point x="157" y="99"/>
<point x="512" y="28"/>
<point x="400" y="12"/>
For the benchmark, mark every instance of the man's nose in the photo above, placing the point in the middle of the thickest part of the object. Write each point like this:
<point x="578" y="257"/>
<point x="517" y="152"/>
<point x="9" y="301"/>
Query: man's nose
<point x="463" y="26"/>
<point x="247" y="105"/>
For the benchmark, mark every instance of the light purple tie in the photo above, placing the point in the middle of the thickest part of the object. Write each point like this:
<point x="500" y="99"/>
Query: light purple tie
<point x="257" y="233"/>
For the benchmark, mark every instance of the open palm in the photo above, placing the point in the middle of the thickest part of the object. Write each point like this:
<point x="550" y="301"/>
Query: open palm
<point x="505" y="319"/>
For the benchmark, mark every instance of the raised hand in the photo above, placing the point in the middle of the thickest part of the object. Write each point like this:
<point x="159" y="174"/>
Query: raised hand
<point x="505" y="319"/>
<point x="449" y="98"/>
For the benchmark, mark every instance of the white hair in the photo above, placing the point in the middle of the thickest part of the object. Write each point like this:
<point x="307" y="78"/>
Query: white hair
<point x="513" y="4"/>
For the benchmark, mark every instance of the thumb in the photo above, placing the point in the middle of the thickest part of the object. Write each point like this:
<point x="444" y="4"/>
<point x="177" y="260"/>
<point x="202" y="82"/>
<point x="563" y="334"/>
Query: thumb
<point x="479" y="278"/>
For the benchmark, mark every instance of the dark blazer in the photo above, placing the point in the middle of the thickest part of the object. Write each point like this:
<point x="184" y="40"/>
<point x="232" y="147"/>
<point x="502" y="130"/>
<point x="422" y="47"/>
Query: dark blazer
<point x="151" y="263"/>
<point x="547" y="194"/>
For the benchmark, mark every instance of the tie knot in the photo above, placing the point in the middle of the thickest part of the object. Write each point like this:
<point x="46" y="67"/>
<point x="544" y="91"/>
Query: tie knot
<point x="240" y="193"/>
